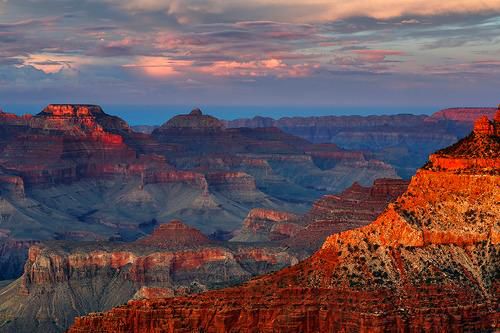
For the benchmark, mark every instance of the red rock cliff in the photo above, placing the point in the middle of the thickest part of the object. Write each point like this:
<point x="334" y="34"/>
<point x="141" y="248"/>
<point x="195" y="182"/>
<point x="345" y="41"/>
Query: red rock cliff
<point x="428" y="263"/>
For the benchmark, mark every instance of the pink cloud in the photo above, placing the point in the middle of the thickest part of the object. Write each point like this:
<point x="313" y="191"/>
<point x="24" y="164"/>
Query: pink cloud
<point x="189" y="11"/>
<point x="159" y="67"/>
<point x="260" y="68"/>
<point x="376" y="55"/>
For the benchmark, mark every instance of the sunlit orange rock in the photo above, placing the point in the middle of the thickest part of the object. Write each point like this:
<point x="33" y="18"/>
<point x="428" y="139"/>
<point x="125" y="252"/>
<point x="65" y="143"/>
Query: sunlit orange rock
<point x="429" y="263"/>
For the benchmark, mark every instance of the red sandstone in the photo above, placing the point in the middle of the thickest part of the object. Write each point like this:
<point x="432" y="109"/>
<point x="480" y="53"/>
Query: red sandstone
<point x="426" y="264"/>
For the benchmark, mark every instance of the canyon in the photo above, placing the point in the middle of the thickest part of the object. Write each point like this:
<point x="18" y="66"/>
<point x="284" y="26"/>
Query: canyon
<point x="355" y="207"/>
<point x="429" y="262"/>
<point x="403" y="141"/>
<point x="82" y="194"/>
<point x="75" y="173"/>
<point x="62" y="280"/>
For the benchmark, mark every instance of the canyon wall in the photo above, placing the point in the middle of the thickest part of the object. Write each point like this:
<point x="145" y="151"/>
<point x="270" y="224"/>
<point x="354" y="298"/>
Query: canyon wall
<point x="62" y="280"/>
<point x="429" y="262"/>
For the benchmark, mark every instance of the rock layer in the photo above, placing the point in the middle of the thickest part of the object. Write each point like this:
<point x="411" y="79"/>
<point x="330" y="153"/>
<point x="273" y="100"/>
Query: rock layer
<point x="355" y="207"/>
<point x="429" y="262"/>
<point x="63" y="280"/>
<point x="73" y="172"/>
<point x="403" y="140"/>
<point x="264" y="225"/>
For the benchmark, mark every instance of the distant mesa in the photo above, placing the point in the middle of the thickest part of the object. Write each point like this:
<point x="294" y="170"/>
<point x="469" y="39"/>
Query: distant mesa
<point x="428" y="263"/>
<point x="468" y="115"/>
<point x="72" y="110"/>
<point x="194" y="120"/>
<point x="173" y="235"/>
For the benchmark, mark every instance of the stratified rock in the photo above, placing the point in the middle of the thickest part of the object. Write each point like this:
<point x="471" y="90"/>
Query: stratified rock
<point x="478" y="151"/>
<point x="239" y="186"/>
<point x="466" y="115"/>
<point x="279" y="162"/>
<point x="62" y="280"/>
<point x="72" y="117"/>
<point x="13" y="253"/>
<point x="429" y="262"/>
<point x="404" y="141"/>
<point x="173" y="235"/>
<point x="355" y="207"/>
<point x="263" y="225"/>
<point x="195" y="120"/>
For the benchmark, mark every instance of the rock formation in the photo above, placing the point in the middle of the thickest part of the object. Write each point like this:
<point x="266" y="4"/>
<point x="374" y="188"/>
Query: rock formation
<point x="76" y="173"/>
<point x="355" y="207"/>
<point x="465" y="115"/>
<point x="195" y="120"/>
<point x="404" y="141"/>
<point x="62" y="280"/>
<point x="73" y="172"/>
<point x="175" y="234"/>
<point x="429" y="262"/>
<point x="273" y="158"/>
<point x="264" y="225"/>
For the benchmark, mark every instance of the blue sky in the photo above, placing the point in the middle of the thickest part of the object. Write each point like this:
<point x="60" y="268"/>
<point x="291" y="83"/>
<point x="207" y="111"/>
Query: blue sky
<point x="338" y="55"/>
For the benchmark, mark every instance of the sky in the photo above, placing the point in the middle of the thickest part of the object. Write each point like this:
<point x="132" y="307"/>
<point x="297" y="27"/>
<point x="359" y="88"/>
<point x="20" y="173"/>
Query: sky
<point x="315" y="54"/>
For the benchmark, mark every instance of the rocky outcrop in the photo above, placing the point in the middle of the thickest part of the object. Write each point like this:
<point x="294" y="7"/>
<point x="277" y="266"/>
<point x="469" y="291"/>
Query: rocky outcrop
<point x="429" y="262"/>
<point x="13" y="255"/>
<point x="272" y="157"/>
<point x="478" y="151"/>
<point x="264" y="225"/>
<point x="62" y="280"/>
<point x="466" y="115"/>
<point x="195" y="120"/>
<point x="73" y="117"/>
<point x="65" y="143"/>
<point x="73" y="172"/>
<point x="355" y="207"/>
<point x="173" y="235"/>
<point x="239" y="186"/>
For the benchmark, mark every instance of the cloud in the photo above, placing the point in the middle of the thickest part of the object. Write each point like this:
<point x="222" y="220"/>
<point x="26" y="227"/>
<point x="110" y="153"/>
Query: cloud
<point x="410" y="21"/>
<point x="377" y="55"/>
<point x="260" y="68"/>
<point x="119" y="48"/>
<point x="158" y="67"/>
<point x="188" y="11"/>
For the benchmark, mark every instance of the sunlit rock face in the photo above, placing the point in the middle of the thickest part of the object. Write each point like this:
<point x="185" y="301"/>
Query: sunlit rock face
<point x="74" y="172"/>
<point x="355" y="207"/>
<point x="429" y="262"/>
<point x="65" y="143"/>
